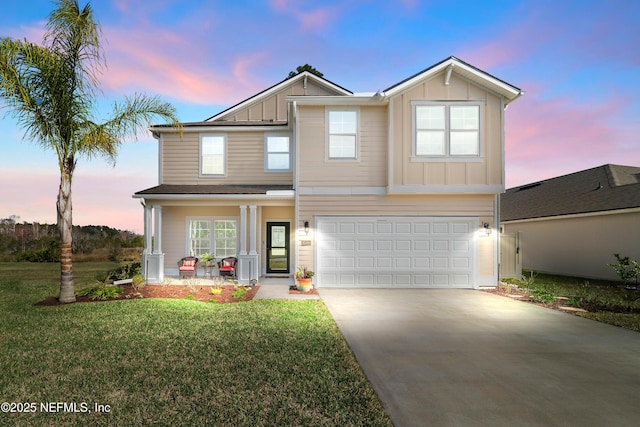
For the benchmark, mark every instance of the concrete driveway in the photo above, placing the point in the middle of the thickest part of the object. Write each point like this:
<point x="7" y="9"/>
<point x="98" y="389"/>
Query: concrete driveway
<point x="468" y="358"/>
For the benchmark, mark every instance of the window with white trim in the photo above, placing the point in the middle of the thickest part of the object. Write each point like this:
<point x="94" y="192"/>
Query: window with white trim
<point x="199" y="237"/>
<point x="277" y="153"/>
<point x="225" y="238"/>
<point x="218" y="237"/>
<point x="213" y="153"/>
<point x="446" y="129"/>
<point x="342" y="134"/>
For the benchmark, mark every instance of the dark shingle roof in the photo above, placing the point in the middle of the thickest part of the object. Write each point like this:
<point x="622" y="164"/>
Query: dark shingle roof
<point x="212" y="189"/>
<point x="604" y="188"/>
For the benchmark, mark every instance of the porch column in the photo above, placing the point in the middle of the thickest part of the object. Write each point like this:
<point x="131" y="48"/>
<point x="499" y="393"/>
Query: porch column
<point x="157" y="229"/>
<point x="153" y="258"/>
<point x="243" y="230"/>
<point x="252" y="230"/>
<point x="147" y="230"/>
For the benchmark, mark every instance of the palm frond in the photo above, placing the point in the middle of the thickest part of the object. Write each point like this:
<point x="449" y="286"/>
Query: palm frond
<point x="129" y="118"/>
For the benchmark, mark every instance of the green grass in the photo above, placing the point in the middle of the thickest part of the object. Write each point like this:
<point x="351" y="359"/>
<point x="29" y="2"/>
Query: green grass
<point x="175" y="362"/>
<point x="610" y="302"/>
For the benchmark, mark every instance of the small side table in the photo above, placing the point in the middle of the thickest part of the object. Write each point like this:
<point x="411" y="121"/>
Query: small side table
<point x="208" y="270"/>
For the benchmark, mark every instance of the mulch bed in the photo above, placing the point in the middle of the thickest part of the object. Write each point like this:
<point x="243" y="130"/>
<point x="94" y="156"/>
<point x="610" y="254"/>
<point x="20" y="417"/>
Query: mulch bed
<point x="196" y="293"/>
<point x="294" y="291"/>
<point x="520" y="295"/>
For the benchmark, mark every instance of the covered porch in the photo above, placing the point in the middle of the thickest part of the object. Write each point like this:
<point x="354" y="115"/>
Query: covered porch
<point x="255" y="224"/>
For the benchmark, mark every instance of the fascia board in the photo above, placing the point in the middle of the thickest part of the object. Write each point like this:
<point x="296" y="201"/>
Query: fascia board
<point x="268" y="92"/>
<point x="481" y="78"/>
<point x="337" y="100"/>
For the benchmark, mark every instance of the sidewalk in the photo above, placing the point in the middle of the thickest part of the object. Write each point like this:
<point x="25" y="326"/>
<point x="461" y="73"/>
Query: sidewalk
<point x="278" y="288"/>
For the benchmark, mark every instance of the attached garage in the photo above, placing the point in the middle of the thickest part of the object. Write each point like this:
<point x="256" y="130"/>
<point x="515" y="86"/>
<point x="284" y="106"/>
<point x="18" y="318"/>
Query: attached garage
<point x="396" y="252"/>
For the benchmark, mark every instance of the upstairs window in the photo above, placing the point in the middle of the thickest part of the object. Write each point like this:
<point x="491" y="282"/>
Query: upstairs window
<point x="277" y="153"/>
<point x="447" y="130"/>
<point x="343" y="134"/>
<point x="213" y="153"/>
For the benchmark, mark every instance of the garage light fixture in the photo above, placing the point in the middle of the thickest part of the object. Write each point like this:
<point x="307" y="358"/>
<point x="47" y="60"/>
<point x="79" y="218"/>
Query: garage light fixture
<point x="487" y="228"/>
<point x="306" y="228"/>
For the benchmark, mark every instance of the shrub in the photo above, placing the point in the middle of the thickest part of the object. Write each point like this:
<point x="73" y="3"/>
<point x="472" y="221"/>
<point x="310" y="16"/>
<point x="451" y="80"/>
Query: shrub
<point x="540" y="295"/>
<point x="101" y="292"/>
<point x="239" y="293"/>
<point x="127" y="271"/>
<point x="627" y="269"/>
<point x="138" y="282"/>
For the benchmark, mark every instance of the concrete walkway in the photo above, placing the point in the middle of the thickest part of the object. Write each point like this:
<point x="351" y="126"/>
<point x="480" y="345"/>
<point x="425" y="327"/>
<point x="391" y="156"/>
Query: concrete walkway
<point x="278" y="288"/>
<point x="468" y="358"/>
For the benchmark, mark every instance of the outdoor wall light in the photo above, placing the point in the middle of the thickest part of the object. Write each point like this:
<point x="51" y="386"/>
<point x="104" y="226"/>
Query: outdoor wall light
<point x="486" y="227"/>
<point x="306" y="228"/>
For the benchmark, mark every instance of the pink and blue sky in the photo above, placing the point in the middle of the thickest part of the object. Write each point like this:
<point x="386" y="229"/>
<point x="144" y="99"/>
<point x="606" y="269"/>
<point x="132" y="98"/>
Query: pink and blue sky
<point x="577" y="61"/>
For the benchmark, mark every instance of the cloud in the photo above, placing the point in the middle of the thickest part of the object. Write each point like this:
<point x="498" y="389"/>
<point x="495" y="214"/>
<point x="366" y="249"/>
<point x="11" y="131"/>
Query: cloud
<point x="551" y="137"/>
<point x="98" y="197"/>
<point x="309" y="20"/>
<point x="155" y="61"/>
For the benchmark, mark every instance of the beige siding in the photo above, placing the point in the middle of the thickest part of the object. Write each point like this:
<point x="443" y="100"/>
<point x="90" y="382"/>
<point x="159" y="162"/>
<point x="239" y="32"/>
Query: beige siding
<point x="578" y="246"/>
<point x="277" y="213"/>
<point x="488" y="171"/>
<point x="315" y="170"/>
<point x="245" y="160"/>
<point x="481" y="206"/>
<point x="274" y="107"/>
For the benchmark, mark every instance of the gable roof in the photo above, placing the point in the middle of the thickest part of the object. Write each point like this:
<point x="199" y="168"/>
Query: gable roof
<point x="468" y="71"/>
<point x="603" y="188"/>
<point x="305" y="75"/>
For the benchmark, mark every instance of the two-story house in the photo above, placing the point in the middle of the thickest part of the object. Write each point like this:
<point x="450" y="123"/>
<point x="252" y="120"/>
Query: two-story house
<point x="394" y="188"/>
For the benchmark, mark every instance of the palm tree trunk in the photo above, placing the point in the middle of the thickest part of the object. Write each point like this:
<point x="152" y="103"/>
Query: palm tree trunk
<point x="67" y="291"/>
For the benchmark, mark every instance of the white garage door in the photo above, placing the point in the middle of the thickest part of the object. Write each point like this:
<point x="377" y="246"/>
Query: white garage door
<point x="400" y="252"/>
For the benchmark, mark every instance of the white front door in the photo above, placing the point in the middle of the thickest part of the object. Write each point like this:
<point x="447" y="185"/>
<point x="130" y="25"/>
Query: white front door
<point x="396" y="252"/>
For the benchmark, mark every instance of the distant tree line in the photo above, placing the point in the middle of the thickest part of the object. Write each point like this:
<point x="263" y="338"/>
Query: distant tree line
<point x="35" y="242"/>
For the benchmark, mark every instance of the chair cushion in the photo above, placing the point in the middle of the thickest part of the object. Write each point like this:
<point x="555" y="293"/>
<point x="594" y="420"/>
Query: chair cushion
<point x="188" y="262"/>
<point x="187" y="268"/>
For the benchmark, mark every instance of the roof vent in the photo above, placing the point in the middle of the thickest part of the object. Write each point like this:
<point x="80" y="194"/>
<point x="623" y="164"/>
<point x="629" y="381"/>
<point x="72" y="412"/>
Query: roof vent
<point x="529" y="186"/>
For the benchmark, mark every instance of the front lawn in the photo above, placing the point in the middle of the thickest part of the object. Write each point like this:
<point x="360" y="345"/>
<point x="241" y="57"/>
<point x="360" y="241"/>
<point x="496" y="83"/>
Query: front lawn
<point x="173" y="362"/>
<point x="605" y="301"/>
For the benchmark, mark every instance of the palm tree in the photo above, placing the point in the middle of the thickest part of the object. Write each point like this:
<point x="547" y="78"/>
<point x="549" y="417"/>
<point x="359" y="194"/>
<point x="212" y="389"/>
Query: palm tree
<point x="50" y="90"/>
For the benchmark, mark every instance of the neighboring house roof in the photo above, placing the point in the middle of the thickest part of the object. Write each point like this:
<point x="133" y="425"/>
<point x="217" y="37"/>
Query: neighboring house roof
<point x="604" y="188"/>
<point x="166" y="189"/>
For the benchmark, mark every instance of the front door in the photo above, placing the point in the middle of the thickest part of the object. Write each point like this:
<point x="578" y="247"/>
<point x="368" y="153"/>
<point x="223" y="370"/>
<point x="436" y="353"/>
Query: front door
<point x="278" y="247"/>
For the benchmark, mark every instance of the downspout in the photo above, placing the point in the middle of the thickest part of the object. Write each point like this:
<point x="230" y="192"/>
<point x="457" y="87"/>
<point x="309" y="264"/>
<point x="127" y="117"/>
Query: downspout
<point x="496" y="219"/>
<point x="294" y="121"/>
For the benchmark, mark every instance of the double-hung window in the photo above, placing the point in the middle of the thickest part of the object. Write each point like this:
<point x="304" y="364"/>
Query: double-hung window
<point x="199" y="237"/>
<point x="277" y="153"/>
<point x="213" y="153"/>
<point x="446" y="129"/>
<point x="342" y="134"/>
<point x="214" y="236"/>
<point x="225" y="238"/>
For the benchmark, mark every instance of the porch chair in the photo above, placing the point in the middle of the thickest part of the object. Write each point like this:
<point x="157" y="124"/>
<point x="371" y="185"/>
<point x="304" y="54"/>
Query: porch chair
<point x="227" y="266"/>
<point x="187" y="267"/>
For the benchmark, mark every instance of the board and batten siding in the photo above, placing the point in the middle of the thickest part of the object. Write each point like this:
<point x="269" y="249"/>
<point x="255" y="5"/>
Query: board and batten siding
<point x="370" y="169"/>
<point x="275" y="106"/>
<point x="245" y="160"/>
<point x="486" y="171"/>
<point x="468" y="205"/>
